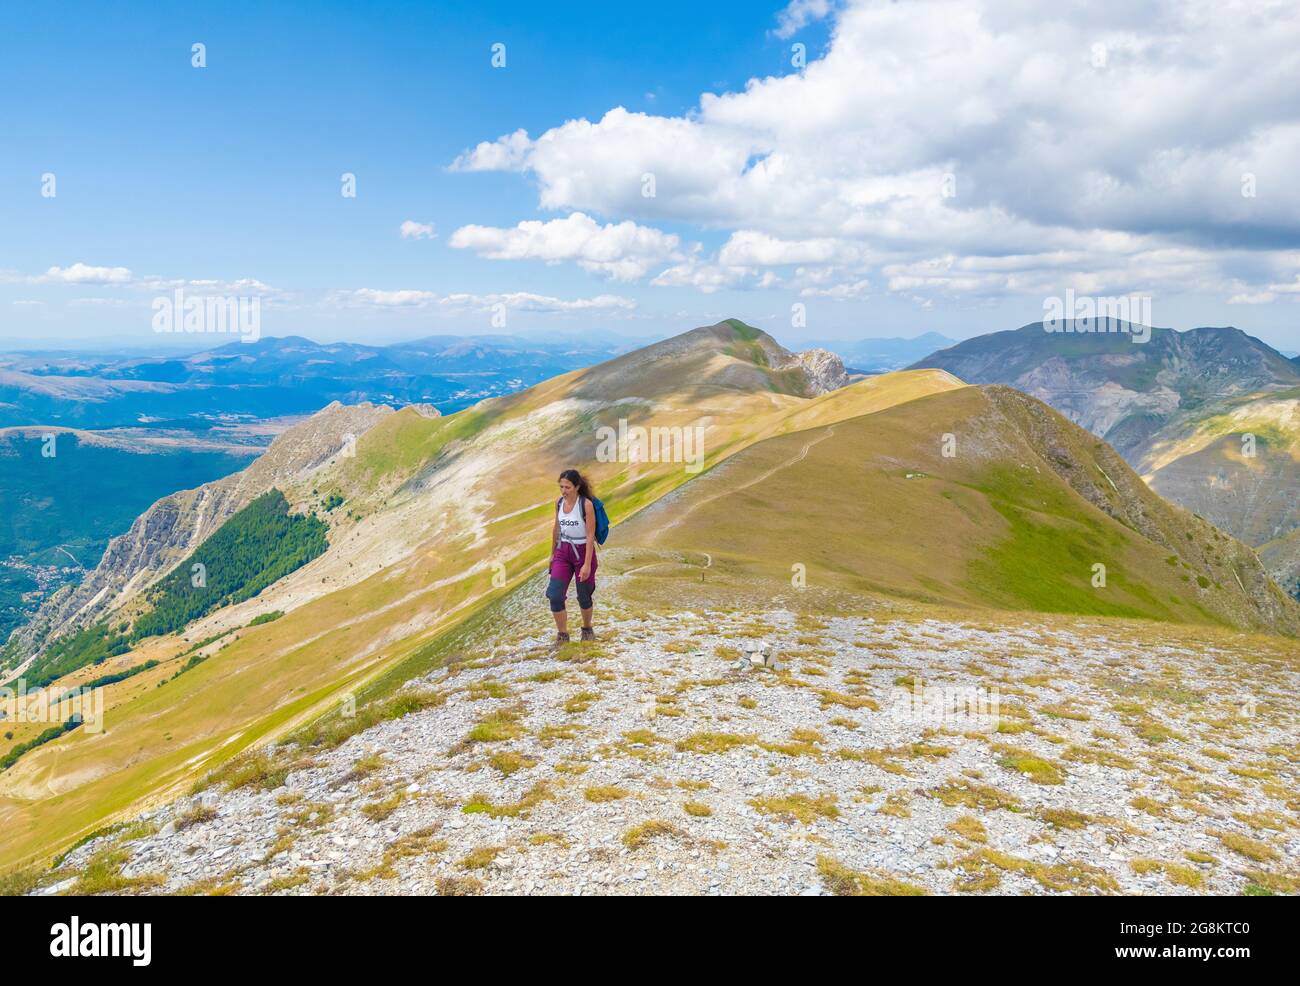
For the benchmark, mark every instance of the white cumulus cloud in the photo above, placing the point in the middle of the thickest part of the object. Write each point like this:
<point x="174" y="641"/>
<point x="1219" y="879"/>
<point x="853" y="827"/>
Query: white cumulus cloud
<point x="411" y="230"/>
<point x="383" y="299"/>
<point x="798" y="15"/>
<point x="623" y="251"/>
<point x="80" y="273"/>
<point x="969" y="147"/>
<point x="503" y="154"/>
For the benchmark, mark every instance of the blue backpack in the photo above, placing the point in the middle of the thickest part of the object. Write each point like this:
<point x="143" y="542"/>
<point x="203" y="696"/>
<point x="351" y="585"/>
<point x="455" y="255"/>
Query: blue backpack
<point x="602" y="518"/>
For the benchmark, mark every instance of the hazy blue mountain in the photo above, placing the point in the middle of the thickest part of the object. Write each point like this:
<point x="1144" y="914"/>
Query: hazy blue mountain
<point x="1121" y="389"/>
<point x="275" y="376"/>
<point x="884" y="355"/>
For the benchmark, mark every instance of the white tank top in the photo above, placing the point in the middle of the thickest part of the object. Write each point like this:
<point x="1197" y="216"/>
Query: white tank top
<point x="573" y="525"/>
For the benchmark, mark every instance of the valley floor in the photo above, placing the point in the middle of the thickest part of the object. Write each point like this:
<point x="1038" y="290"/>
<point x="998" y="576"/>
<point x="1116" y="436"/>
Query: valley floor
<point x="1125" y="758"/>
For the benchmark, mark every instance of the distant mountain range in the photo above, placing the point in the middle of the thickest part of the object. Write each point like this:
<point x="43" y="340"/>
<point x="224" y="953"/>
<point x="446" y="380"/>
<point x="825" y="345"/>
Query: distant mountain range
<point x="293" y="376"/>
<point x="275" y="377"/>
<point x="884" y="355"/>
<point x="1210" y="417"/>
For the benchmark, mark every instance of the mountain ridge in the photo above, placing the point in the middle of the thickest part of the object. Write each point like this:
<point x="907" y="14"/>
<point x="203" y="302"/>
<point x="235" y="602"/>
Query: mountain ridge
<point x="913" y="522"/>
<point x="1209" y="417"/>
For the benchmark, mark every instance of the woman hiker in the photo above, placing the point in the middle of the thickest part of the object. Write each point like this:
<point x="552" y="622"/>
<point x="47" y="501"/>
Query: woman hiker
<point x="573" y="552"/>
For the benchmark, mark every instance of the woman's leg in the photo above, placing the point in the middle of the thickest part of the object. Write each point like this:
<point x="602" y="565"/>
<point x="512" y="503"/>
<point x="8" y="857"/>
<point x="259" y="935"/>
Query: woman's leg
<point x="584" y="590"/>
<point x="584" y="601"/>
<point x="557" y="590"/>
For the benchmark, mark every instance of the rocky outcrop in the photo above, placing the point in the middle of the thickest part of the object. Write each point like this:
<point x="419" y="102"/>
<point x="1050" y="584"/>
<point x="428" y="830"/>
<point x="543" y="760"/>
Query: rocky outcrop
<point x="1282" y="559"/>
<point x="825" y="371"/>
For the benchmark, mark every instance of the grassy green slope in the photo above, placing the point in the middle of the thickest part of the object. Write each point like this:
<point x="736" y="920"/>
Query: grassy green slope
<point x="1016" y="519"/>
<point x="257" y="546"/>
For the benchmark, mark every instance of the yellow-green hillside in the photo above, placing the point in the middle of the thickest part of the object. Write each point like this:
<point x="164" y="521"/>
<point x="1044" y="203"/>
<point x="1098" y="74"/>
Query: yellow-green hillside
<point x="1015" y="518"/>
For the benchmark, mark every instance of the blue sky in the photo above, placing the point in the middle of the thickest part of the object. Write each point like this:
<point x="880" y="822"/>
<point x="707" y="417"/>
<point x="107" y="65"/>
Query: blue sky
<point x="815" y="186"/>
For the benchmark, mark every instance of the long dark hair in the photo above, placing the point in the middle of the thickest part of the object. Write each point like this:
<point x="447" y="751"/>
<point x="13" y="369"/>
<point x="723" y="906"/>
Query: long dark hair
<point x="580" y="481"/>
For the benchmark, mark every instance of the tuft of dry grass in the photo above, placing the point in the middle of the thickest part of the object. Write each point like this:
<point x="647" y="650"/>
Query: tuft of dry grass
<point x="459" y="886"/>
<point x="845" y="882"/>
<point x="606" y="792"/>
<point x="480" y="858"/>
<point x="708" y="742"/>
<point x="1036" y="768"/>
<point x="639" y="835"/>
<point x="1183" y="876"/>
<point x="983" y="871"/>
<point x="969" y="828"/>
<point x="1244" y="845"/>
<point x="960" y="791"/>
<point x="195" y="816"/>
<point x="798" y="806"/>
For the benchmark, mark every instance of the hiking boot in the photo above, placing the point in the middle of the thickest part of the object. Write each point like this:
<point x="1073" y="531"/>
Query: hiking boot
<point x="561" y="638"/>
<point x="588" y="633"/>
